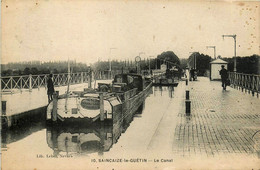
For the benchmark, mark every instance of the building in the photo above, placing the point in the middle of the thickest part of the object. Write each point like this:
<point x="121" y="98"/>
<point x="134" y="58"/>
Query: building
<point x="215" y="67"/>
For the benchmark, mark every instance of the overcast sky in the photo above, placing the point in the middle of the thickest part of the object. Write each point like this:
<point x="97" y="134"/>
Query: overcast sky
<point x="86" y="30"/>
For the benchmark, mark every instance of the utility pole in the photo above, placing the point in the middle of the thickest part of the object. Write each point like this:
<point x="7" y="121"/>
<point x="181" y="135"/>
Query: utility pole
<point x="214" y="50"/>
<point x="139" y="63"/>
<point x="150" y="64"/>
<point x="110" y="65"/>
<point x="235" y="60"/>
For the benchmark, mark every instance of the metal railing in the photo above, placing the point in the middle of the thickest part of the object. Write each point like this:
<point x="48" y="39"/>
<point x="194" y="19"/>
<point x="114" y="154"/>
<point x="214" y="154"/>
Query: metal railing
<point x="245" y="82"/>
<point x="29" y="82"/>
<point x="11" y="83"/>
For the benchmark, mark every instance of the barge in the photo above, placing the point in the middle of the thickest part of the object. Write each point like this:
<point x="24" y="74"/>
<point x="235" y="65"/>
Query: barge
<point x="169" y="78"/>
<point x="113" y="101"/>
<point x="162" y="80"/>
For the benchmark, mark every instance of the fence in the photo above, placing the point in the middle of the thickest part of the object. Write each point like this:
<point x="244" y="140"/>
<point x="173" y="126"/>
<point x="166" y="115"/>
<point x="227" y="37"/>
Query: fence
<point x="10" y="83"/>
<point x="245" y="82"/>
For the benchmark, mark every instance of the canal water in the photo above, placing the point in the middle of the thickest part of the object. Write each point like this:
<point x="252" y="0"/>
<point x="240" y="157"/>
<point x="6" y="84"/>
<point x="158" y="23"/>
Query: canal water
<point x="37" y="140"/>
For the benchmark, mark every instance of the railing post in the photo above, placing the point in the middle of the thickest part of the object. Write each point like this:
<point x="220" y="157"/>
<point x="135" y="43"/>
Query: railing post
<point x="58" y="79"/>
<point x="257" y="85"/>
<point x="71" y="78"/>
<point x="253" y="85"/>
<point x="45" y="81"/>
<point x="82" y="81"/>
<point x="38" y="82"/>
<point x="30" y="82"/>
<point x="21" y="83"/>
<point x="11" y="82"/>
<point x="243" y="83"/>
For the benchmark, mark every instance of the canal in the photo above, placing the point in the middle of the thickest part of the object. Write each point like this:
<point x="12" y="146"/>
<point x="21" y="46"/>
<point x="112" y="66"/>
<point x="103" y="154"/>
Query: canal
<point x="37" y="141"/>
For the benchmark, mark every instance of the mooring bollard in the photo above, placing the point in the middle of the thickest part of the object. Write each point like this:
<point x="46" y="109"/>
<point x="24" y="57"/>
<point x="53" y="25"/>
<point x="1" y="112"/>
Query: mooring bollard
<point x="54" y="110"/>
<point x="187" y="95"/>
<point x="186" y="82"/>
<point x="3" y="108"/>
<point x="101" y="105"/>
<point x="187" y="104"/>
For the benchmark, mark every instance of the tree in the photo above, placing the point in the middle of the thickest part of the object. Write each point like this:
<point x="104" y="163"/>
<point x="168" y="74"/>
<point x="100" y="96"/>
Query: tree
<point x="202" y="62"/>
<point x="8" y="72"/>
<point x="34" y="71"/>
<point x="55" y="71"/>
<point x="247" y="64"/>
<point x="27" y="71"/>
<point x="183" y="63"/>
<point x="168" y="56"/>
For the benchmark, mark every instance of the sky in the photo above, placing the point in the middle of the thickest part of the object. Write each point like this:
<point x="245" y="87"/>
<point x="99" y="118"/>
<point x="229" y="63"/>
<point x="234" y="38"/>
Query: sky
<point x="88" y="31"/>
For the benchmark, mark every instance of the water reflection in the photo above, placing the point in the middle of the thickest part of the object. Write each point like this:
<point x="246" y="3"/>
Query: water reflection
<point x="80" y="140"/>
<point x="20" y="132"/>
<point x="160" y="91"/>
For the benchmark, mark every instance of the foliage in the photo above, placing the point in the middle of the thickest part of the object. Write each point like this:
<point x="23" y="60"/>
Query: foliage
<point x="202" y="62"/>
<point x="37" y="67"/>
<point x="247" y="65"/>
<point x="168" y="56"/>
<point x="183" y="63"/>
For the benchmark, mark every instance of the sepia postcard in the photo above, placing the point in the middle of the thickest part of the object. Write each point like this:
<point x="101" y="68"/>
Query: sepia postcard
<point x="130" y="84"/>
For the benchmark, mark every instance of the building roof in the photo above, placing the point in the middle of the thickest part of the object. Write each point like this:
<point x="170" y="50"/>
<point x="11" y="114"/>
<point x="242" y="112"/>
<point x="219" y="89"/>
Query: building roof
<point x="218" y="61"/>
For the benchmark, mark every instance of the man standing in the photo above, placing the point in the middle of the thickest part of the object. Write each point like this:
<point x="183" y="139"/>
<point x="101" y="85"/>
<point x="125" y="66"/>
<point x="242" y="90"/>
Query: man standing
<point x="50" y="87"/>
<point x="224" y="76"/>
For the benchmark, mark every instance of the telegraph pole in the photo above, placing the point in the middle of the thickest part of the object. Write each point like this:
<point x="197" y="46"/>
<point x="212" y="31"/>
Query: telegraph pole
<point x="150" y="64"/>
<point x="214" y="50"/>
<point x="110" y="65"/>
<point x="139" y="62"/>
<point x="235" y="60"/>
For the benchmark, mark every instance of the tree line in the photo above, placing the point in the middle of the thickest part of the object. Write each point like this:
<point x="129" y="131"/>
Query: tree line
<point x="246" y="64"/>
<point x="36" y="67"/>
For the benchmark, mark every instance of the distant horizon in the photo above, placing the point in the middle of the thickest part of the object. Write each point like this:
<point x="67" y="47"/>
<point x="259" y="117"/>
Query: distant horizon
<point x="20" y="62"/>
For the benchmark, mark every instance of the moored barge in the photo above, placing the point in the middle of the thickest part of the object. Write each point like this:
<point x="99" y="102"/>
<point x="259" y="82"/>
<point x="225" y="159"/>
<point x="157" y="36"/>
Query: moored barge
<point x="113" y="101"/>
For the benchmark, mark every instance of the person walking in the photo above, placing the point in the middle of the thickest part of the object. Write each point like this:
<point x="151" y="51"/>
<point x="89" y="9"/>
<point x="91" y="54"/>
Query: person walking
<point x="192" y="73"/>
<point x="50" y="87"/>
<point x="224" y="76"/>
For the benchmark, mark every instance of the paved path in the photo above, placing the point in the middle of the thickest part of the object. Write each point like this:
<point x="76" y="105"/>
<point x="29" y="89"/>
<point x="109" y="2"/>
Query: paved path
<point x="19" y="102"/>
<point x="221" y="122"/>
